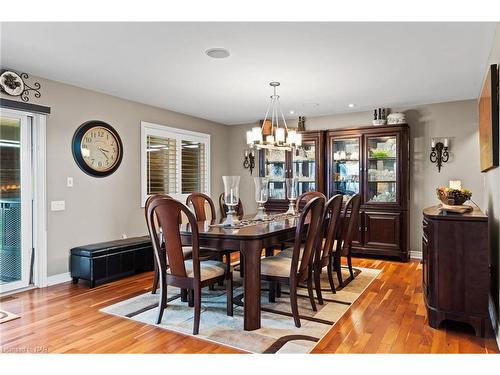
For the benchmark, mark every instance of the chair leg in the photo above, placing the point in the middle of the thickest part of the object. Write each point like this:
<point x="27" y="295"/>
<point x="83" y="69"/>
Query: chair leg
<point x="156" y="278"/>
<point x="311" y="292"/>
<point x="221" y="259"/>
<point x="349" y="263"/>
<point x="278" y="289"/>
<point x="184" y="295"/>
<point x="330" y="275"/>
<point x="163" y="301"/>
<point x="190" y="298"/>
<point x="317" y="284"/>
<point x="197" y="309"/>
<point x="338" y="267"/>
<point x="272" y="291"/>
<point x="269" y="251"/>
<point x="295" y="307"/>
<point x="229" y="293"/>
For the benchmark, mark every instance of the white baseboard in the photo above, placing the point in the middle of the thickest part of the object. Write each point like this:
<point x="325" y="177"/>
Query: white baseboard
<point x="494" y="321"/>
<point x="416" y="255"/>
<point x="58" y="279"/>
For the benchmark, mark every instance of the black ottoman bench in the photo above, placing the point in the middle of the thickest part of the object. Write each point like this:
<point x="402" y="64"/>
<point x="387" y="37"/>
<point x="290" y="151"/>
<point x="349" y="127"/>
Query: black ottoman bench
<point x="106" y="261"/>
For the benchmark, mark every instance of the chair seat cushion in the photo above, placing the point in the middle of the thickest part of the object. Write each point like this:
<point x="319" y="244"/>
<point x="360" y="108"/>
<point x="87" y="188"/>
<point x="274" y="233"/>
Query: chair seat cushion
<point x="209" y="269"/>
<point x="276" y="266"/>
<point x="288" y="252"/>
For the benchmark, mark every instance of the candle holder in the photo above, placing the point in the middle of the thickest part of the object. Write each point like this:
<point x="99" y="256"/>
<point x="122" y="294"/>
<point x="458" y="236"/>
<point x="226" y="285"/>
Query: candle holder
<point x="231" y="199"/>
<point x="439" y="153"/>
<point x="261" y="197"/>
<point x="291" y="194"/>
<point x="249" y="161"/>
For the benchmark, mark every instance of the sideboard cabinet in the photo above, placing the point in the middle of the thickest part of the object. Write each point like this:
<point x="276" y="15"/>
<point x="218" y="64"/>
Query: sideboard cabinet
<point x="456" y="268"/>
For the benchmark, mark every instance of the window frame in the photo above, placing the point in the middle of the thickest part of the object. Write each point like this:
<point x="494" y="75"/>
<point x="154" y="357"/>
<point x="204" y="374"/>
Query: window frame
<point x="148" y="128"/>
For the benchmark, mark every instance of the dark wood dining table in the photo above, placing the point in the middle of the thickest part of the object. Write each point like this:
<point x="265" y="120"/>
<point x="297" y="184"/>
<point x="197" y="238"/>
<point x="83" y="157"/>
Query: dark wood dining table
<point x="250" y="241"/>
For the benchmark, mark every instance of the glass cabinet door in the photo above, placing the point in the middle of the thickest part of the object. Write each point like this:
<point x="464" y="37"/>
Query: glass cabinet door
<point x="382" y="169"/>
<point x="345" y="173"/>
<point x="275" y="171"/>
<point x="304" y="166"/>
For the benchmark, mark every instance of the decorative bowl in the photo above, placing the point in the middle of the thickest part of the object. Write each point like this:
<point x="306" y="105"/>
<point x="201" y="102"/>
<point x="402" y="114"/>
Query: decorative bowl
<point x="453" y="197"/>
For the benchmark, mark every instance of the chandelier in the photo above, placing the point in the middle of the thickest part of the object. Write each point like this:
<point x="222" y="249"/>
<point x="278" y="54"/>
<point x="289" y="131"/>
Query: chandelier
<point x="278" y="136"/>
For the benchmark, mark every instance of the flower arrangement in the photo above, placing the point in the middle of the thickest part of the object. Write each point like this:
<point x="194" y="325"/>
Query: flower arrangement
<point x="453" y="197"/>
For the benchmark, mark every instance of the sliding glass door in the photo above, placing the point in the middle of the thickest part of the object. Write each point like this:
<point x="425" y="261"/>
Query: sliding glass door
<point x="16" y="199"/>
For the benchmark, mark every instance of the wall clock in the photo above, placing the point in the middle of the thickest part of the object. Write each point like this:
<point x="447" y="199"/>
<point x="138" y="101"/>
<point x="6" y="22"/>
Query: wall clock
<point x="97" y="148"/>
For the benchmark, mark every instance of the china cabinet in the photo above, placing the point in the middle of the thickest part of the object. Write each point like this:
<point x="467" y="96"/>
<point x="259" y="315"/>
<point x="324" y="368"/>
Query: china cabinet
<point x="373" y="161"/>
<point x="306" y="164"/>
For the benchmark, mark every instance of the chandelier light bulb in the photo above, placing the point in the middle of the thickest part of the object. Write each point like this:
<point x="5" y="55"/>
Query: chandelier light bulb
<point x="280" y="135"/>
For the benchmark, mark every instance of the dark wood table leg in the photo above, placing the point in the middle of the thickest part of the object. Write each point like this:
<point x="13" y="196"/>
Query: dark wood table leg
<point x="251" y="254"/>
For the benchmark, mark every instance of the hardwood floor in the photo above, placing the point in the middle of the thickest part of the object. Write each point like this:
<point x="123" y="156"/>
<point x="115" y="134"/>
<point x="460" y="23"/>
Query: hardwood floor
<point x="389" y="317"/>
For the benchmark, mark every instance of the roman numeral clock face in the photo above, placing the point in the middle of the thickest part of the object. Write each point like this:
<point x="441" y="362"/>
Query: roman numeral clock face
<point x="97" y="149"/>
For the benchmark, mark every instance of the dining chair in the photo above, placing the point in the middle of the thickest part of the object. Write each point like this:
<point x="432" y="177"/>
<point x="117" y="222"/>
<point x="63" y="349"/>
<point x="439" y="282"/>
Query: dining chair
<point x="187" y="250"/>
<point x="297" y="269"/>
<point x="223" y="207"/>
<point x="191" y="274"/>
<point x="350" y="218"/>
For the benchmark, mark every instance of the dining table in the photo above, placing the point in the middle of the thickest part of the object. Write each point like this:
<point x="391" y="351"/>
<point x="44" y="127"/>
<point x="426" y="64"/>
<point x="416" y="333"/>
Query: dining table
<point x="250" y="238"/>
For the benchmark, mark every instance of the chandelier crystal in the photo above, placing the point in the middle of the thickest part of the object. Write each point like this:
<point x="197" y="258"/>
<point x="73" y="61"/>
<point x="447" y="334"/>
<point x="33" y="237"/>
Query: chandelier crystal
<point x="281" y="137"/>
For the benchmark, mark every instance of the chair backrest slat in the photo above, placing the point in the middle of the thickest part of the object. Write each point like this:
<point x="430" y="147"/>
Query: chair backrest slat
<point x="197" y="201"/>
<point x="350" y="221"/>
<point x="331" y="216"/>
<point x="223" y="207"/>
<point x="306" y="197"/>
<point x="312" y="215"/>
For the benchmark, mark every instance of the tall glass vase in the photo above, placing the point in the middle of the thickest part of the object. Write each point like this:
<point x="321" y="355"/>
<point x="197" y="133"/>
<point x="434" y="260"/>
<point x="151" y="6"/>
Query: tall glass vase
<point x="261" y="196"/>
<point x="231" y="199"/>
<point x="291" y="194"/>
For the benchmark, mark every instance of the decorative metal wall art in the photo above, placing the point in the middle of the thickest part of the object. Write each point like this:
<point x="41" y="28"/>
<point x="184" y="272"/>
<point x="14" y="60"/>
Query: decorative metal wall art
<point x="14" y="84"/>
<point x="439" y="153"/>
<point x="249" y="162"/>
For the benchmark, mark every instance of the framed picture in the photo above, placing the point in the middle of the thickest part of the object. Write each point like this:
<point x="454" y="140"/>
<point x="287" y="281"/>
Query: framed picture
<point x="488" y="121"/>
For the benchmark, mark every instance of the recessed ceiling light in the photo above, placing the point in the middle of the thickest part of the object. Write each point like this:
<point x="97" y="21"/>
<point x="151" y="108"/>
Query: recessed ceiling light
<point x="351" y="105"/>
<point x="217" y="53"/>
<point x="292" y="111"/>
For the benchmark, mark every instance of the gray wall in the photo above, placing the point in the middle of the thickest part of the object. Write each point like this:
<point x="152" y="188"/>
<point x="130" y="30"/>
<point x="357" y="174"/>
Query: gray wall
<point x="492" y="200"/>
<point x="456" y="120"/>
<point x="101" y="209"/>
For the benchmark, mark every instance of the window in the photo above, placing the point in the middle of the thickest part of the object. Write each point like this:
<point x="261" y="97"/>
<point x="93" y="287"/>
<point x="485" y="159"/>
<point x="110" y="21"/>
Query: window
<point x="174" y="161"/>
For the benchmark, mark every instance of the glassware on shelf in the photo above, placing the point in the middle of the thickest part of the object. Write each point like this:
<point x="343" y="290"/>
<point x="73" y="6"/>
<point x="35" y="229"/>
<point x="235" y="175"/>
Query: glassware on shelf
<point x="231" y="199"/>
<point x="261" y="196"/>
<point x="275" y="172"/>
<point x="291" y="194"/>
<point x="382" y="169"/>
<point x="346" y="166"/>
<point x="304" y="167"/>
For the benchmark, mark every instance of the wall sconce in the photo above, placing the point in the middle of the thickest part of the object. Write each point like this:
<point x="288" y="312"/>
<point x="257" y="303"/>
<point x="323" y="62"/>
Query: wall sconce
<point x="439" y="152"/>
<point x="249" y="162"/>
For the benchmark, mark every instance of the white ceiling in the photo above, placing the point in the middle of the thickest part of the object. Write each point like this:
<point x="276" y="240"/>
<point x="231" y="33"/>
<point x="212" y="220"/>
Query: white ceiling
<point x="330" y="64"/>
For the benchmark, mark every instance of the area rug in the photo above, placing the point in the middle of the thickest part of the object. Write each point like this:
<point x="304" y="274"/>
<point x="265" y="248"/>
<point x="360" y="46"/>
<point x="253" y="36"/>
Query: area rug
<point x="277" y="334"/>
<point x="6" y="316"/>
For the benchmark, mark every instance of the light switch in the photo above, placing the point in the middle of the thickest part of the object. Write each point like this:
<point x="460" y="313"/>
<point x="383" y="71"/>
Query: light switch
<point x="57" y="205"/>
<point x="69" y="182"/>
